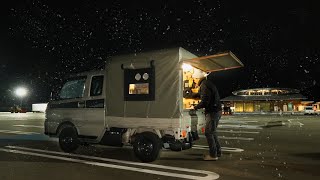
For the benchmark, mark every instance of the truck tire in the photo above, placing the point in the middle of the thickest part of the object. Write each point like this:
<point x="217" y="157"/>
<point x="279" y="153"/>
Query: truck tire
<point x="147" y="146"/>
<point x="68" y="139"/>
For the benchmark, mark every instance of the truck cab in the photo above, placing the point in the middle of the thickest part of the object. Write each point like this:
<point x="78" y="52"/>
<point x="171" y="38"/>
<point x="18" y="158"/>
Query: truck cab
<point x="79" y="103"/>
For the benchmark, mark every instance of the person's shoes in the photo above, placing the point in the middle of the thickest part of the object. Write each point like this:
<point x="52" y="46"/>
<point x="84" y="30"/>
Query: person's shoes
<point x="208" y="157"/>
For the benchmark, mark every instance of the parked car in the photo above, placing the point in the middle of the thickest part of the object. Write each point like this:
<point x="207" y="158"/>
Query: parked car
<point x="227" y="111"/>
<point x="308" y="110"/>
<point x="17" y="109"/>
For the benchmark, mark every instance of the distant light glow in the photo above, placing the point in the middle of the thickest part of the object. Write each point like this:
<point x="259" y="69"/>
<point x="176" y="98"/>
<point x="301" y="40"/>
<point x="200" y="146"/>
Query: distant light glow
<point x="21" y="92"/>
<point x="187" y="67"/>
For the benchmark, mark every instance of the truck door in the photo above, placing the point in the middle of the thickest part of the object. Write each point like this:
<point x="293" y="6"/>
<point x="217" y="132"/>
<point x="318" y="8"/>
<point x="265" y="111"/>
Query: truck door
<point x="93" y="124"/>
<point x="68" y="105"/>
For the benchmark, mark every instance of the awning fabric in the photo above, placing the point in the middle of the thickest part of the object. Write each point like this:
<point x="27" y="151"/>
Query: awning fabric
<point x="217" y="62"/>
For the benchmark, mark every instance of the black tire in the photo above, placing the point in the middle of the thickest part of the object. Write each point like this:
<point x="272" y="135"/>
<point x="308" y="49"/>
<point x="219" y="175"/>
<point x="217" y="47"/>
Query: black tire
<point x="176" y="146"/>
<point x="147" y="146"/>
<point x="68" y="139"/>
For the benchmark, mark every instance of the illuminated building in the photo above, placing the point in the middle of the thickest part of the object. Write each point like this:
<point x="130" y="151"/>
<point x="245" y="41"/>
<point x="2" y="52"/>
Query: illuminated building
<point x="266" y="100"/>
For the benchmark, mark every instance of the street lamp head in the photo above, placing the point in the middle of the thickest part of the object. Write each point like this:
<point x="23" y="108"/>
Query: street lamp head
<point x="21" y="92"/>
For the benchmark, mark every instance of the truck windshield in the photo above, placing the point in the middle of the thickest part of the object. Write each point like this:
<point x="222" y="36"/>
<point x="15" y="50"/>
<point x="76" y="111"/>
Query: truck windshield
<point x="73" y="89"/>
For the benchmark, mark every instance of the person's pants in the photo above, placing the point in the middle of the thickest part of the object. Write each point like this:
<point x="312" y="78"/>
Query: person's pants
<point x="212" y="121"/>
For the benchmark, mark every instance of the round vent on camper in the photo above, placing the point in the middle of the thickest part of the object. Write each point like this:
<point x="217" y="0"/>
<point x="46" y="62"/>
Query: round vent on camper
<point x="138" y="77"/>
<point x="145" y="76"/>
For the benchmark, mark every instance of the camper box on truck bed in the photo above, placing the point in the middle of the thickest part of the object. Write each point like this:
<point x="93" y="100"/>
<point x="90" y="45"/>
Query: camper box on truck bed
<point x="139" y="99"/>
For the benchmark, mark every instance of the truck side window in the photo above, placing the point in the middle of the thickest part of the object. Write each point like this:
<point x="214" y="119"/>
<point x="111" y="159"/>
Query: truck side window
<point x="96" y="86"/>
<point x="73" y="88"/>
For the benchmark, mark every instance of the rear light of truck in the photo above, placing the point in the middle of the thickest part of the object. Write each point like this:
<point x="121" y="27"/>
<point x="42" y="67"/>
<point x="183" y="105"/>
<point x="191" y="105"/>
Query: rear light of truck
<point x="203" y="130"/>
<point x="184" y="133"/>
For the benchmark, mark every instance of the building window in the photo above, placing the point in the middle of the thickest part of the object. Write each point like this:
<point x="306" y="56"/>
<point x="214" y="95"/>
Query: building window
<point x="256" y="93"/>
<point x="238" y="107"/>
<point x="265" y="107"/>
<point x="267" y="93"/>
<point x="243" y="93"/>
<point x="248" y="107"/>
<point x="257" y="107"/>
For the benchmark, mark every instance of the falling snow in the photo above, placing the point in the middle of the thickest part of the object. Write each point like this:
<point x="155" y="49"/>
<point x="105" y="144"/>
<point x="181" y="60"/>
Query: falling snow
<point x="80" y="42"/>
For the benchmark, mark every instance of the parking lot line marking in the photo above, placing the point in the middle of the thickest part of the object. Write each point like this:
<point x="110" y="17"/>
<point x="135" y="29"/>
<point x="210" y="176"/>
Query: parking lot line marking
<point x="18" y="132"/>
<point x="235" y="126"/>
<point x="293" y="123"/>
<point x="238" y="132"/>
<point x="230" y="121"/>
<point x="231" y="138"/>
<point x="223" y="149"/>
<point x="209" y="175"/>
<point x="250" y="121"/>
<point x="21" y="125"/>
<point x="141" y="170"/>
<point x="236" y="138"/>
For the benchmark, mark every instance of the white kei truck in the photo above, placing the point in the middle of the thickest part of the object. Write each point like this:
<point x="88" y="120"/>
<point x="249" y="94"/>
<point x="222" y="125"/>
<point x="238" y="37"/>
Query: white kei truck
<point x="142" y="99"/>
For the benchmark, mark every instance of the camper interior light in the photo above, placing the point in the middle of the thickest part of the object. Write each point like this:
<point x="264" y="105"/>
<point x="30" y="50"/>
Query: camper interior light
<point x="186" y="67"/>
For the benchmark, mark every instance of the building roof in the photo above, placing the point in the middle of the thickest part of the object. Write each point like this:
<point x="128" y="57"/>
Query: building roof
<point x="307" y="102"/>
<point x="266" y="90"/>
<point x="265" y="98"/>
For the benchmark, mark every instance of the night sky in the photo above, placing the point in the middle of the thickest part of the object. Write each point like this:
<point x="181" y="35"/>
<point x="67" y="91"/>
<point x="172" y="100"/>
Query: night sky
<point x="42" y="41"/>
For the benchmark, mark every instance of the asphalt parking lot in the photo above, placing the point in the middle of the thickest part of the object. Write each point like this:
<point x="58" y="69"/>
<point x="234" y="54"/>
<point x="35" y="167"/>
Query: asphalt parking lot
<point x="254" y="147"/>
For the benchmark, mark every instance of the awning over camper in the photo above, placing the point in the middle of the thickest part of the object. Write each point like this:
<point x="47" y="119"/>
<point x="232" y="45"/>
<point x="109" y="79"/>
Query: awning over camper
<point x="217" y="62"/>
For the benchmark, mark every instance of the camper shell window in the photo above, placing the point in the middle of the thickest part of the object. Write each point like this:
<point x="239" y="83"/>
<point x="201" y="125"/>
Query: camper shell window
<point x="139" y="84"/>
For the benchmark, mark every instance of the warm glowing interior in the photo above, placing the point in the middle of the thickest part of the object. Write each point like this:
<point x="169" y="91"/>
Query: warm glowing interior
<point x="141" y="88"/>
<point x="191" y="77"/>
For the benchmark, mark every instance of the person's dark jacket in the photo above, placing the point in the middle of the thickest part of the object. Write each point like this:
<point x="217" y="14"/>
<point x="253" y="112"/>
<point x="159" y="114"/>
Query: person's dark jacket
<point x="210" y="99"/>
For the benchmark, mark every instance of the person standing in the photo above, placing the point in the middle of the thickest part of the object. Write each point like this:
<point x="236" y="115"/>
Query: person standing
<point x="210" y="101"/>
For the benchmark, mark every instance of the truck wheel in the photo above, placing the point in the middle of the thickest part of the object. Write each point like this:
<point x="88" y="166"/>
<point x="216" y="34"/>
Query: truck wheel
<point x="68" y="139"/>
<point x="147" y="146"/>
